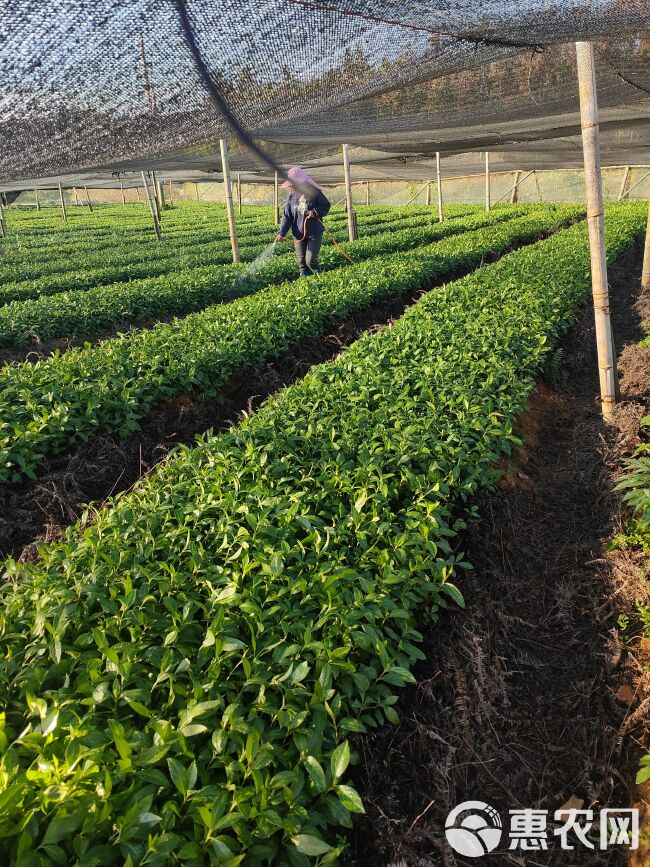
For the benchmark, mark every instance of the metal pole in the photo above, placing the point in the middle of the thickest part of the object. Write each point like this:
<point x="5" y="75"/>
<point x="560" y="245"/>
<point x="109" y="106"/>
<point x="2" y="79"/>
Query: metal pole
<point x="621" y="192"/>
<point x="514" y="198"/>
<point x="276" y="200"/>
<point x="152" y="208"/>
<point x="487" y="181"/>
<point x="441" y="215"/>
<point x="38" y="204"/>
<point x="645" y="273"/>
<point x="348" y="192"/>
<point x="595" y="217"/>
<point x="63" y="213"/>
<point x="90" y="207"/>
<point x="229" y="207"/>
<point x="122" y="193"/>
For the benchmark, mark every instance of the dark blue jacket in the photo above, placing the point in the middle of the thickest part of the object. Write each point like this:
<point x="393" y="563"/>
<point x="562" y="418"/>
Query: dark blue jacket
<point x="295" y="210"/>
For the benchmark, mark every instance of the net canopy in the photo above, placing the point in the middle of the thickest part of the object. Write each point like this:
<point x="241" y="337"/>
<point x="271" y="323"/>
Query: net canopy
<point x="93" y="92"/>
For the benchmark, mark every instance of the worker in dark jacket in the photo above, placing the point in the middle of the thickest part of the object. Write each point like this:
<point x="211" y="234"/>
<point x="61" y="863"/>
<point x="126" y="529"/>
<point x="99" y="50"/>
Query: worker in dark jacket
<point x="303" y="212"/>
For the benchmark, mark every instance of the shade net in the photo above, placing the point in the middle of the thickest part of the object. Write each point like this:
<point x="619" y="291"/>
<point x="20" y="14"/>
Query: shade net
<point x="93" y="92"/>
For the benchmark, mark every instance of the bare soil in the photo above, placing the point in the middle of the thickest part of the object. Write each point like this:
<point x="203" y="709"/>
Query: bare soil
<point x="531" y="697"/>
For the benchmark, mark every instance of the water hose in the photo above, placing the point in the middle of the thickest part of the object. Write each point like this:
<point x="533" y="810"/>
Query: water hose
<point x="329" y="234"/>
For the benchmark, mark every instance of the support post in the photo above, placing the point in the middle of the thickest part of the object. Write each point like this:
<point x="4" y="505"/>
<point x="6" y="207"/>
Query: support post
<point x="539" y="192"/>
<point x="276" y="199"/>
<point x="196" y="191"/>
<point x="74" y="193"/>
<point x="595" y="218"/>
<point x="239" y="194"/>
<point x="171" y="192"/>
<point x="441" y="215"/>
<point x="38" y="203"/>
<point x="225" y="168"/>
<point x="63" y="212"/>
<point x="514" y="198"/>
<point x="122" y="193"/>
<point x="3" y="221"/>
<point x="645" y="273"/>
<point x="348" y="193"/>
<point x="90" y="207"/>
<point x="137" y="190"/>
<point x="161" y="193"/>
<point x="428" y="194"/>
<point x="367" y="192"/>
<point x="154" y="190"/>
<point x="487" y="181"/>
<point x="621" y="192"/>
<point x="152" y="207"/>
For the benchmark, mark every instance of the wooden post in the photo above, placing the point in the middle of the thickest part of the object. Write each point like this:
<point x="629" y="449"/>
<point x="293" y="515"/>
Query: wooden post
<point x="276" y="199"/>
<point x="3" y="221"/>
<point x="514" y="198"/>
<point x="74" y="193"/>
<point x="539" y="192"/>
<point x="441" y="215"/>
<point x="487" y="181"/>
<point x="152" y="207"/>
<point x="171" y="192"/>
<point x="38" y="204"/>
<point x="161" y="193"/>
<point x="645" y="273"/>
<point x="428" y="194"/>
<point x="225" y="168"/>
<point x="348" y="192"/>
<point x="196" y="191"/>
<point x="137" y="191"/>
<point x="154" y="190"/>
<point x="239" y="194"/>
<point x="63" y="213"/>
<point x="621" y="192"/>
<point x="367" y="192"/>
<point x="90" y="207"/>
<point x="595" y="218"/>
<point x="122" y="193"/>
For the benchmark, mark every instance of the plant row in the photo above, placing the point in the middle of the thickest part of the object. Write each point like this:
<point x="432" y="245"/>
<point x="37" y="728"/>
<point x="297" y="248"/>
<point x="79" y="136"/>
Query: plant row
<point x="84" y="313"/>
<point x="109" y="387"/>
<point x="181" y="676"/>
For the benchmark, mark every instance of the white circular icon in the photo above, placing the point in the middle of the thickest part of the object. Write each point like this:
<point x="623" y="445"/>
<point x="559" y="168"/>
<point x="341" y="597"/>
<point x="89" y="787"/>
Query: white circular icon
<point x="476" y="833"/>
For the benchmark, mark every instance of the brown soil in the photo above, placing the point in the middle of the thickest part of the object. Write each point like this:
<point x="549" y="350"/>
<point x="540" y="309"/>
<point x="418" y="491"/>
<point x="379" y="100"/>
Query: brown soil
<point x="530" y="696"/>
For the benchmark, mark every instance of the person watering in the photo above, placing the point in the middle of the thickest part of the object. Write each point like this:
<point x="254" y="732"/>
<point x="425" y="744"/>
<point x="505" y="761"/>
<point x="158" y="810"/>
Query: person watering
<point x="304" y="211"/>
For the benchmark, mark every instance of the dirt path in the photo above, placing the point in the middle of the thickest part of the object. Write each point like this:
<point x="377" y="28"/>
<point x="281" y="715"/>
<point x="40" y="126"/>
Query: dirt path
<point x="516" y="703"/>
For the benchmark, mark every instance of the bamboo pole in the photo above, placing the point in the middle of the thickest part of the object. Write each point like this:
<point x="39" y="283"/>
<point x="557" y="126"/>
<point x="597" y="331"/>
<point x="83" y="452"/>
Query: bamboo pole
<point x="645" y="273"/>
<point x="153" y="180"/>
<point x="196" y="191"/>
<point x="413" y="198"/>
<point x="3" y="221"/>
<point x="38" y="203"/>
<point x="122" y="193"/>
<point x="589" y="121"/>
<point x="239" y="194"/>
<point x="63" y="212"/>
<point x="229" y="207"/>
<point x="161" y="194"/>
<point x="152" y="206"/>
<point x="348" y="192"/>
<point x="513" y="189"/>
<point x="621" y="192"/>
<point x="171" y="192"/>
<point x="276" y="200"/>
<point x="137" y="191"/>
<point x="441" y="215"/>
<point x="487" y="181"/>
<point x="539" y="192"/>
<point x="636" y="184"/>
<point x="74" y="193"/>
<point x="514" y="198"/>
<point x="367" y="192"/>
<point x="428" y="194"/>
<point x="90" y="207"/>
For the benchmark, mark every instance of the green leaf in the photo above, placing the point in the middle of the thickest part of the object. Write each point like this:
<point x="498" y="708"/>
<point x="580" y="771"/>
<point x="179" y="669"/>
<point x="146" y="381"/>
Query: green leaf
<point x="316" y="773"/>
<point x="340" y="760"/>
<point x="350" y="799"/>
<point x="310" y="846"/>
<point x="453" y="591"/>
